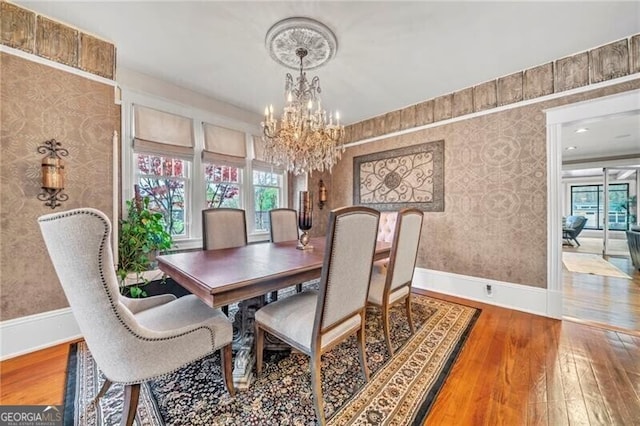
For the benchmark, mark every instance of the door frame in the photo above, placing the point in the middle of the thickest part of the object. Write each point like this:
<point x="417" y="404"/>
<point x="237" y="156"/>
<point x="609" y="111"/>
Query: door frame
<point x="556" y="117"/>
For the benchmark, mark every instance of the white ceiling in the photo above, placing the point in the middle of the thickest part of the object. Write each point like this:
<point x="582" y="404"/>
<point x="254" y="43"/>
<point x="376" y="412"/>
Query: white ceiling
<point x="390" y="54"/>
<point x="605" y="137"/>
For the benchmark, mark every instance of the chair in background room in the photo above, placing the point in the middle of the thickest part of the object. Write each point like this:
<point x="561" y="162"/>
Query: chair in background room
<point x="572" y="228"/>
<point x="132" y="341"/>
<point x="284" y="227"/>
<point x="386" y="229"/>
<point x="393" y="286"/>
<point x="223" y="228"/>
<point x="314" y="322"/>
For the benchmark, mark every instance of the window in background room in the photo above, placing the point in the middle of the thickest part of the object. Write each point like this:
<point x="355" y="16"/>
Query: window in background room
<point x="587" y="201"/>
<point x="223" y="186"/>
<point x="267" y="188"/>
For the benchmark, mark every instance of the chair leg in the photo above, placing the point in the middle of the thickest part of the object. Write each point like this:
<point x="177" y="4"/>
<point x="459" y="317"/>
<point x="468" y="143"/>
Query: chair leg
<point x="105" y="387"/>
<point x="576" y="242"/>
<point x="274" y="296"/>
<point x="131" y="394"/>
<point x="226" y="364"/>
<point x="407" y="305"/>
<point x="259" y="348"/>
<point x="385" y="326"/>
<point x="299" y="288"/>
<point x="316" y="385"/>
<point x="363" y="353"/>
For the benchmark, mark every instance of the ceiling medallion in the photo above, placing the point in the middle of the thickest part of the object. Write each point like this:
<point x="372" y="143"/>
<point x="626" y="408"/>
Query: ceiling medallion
<point x="285" y="37"/>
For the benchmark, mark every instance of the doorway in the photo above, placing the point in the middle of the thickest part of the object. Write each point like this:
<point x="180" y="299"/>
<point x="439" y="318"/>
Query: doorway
<point x="601" y="295"/>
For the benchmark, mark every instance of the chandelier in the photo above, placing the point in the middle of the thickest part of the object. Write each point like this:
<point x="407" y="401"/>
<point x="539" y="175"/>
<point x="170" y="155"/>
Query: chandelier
<point x="305" y="138"/>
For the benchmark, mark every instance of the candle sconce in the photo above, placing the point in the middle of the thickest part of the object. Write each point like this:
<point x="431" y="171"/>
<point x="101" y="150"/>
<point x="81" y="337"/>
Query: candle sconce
<point x="322" y="194"/>
<point x="52" y="174"/>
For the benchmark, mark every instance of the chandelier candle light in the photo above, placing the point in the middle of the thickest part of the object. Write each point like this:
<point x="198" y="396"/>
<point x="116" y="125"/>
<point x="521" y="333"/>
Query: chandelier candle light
<point x="303" y="140"/>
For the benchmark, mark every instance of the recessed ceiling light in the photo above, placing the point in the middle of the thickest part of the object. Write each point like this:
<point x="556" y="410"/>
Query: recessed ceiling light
<point x="570" y="148"/>
<point x="582" y="130"/>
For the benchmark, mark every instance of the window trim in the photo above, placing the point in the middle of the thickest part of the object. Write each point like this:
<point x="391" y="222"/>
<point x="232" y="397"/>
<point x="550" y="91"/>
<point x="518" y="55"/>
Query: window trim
<point x="599" y="189"/>
<point x="196" y="189"/>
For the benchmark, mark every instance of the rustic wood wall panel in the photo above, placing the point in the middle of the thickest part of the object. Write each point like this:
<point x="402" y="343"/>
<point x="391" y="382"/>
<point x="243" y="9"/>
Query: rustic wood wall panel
<point x="442" y="107"/>
<point x="379" y="125"/>
<point x="538" y="81"/>
<point x="17" y="27"/>
<point x="634" y="47"/>
<point x="484" y="96"/>
<point x="571" y="72"/>
<point x="408" y="117"/>
<point x="392" y="121"/>
<point x="367" y="128"/>
<point x="424" y="113"/>
<point x="510" y="89"/>
<point x="23" y="29"/>
<point x="462" y="102"/>
<point x="97" y="56"/>
<point x="610" y="61"/>
<point x="57" y="42"/>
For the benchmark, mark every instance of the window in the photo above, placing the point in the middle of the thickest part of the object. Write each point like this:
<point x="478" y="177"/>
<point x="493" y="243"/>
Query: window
<point x="267" y="190"/>
<point x="184" y="163"/>
<point x="223" y="186"/>
<point x="587" y="201"/>
<point x="164" y="180"/>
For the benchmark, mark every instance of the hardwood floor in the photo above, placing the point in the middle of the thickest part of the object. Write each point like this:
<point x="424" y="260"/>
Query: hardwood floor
<point x="515" y="369"/>
<point x="608" y="301"/>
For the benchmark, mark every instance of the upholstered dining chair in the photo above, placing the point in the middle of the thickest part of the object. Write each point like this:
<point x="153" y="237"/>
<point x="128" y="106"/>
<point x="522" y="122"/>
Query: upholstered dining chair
<point x="223" y="228"/>
<point x="314" y="322"/>
<point x="132" y="341"/>
<point x="394" y="285"/>
<point x="284" y="227"/>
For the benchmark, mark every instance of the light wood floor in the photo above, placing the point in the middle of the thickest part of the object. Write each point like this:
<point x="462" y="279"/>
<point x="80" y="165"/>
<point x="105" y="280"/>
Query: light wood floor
<point x="608" y="301"/>
<point x="515" y="369"/>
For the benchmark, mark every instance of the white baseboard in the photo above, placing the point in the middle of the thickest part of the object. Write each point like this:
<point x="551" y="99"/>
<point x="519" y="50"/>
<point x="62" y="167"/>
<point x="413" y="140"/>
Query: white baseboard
<point x="34" y="332"/>
<point x="504" y="294"/>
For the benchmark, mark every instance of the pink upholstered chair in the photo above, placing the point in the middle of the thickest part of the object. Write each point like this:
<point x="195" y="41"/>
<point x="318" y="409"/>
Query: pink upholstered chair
<point x="386" y="229"/>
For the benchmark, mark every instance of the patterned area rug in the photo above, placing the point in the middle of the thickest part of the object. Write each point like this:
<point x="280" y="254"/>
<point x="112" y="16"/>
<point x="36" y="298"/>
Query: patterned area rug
<point x="591" y="264"/>
<point x="401" y="389"/>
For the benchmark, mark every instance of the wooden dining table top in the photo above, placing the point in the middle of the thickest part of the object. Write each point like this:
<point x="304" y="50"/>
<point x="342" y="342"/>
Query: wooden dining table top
<point x="225" y="276"/>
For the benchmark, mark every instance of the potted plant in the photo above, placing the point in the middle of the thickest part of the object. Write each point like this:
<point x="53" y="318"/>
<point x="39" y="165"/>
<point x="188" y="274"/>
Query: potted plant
<point x="142" y="236"/>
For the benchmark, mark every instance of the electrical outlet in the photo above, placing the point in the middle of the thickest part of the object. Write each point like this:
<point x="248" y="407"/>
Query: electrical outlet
<point x="489" y="290"/>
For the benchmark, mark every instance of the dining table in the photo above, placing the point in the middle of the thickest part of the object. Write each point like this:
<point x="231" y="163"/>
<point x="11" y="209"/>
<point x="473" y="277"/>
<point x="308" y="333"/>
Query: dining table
<point x="244" y="275"/>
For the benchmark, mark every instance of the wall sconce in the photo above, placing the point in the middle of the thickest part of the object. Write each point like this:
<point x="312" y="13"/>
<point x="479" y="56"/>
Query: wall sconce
<point x="52" y="174"/>
<point x="322" y="194"/>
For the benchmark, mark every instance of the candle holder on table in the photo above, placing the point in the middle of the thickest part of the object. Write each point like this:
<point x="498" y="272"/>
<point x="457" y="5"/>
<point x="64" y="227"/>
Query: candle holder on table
<point x="305" y="213"/>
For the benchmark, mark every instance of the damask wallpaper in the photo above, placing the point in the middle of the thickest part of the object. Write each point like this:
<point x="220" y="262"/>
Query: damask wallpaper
<point x="494" y="224"/>
<point x="40" y="103"/>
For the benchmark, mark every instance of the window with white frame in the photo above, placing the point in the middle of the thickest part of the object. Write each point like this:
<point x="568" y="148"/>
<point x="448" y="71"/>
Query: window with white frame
<point x="163" y="149"/>
<point x="184" y="164"/>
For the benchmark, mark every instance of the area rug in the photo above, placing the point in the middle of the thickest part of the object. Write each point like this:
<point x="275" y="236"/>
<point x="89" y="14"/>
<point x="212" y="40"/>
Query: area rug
<point x="591" y="264"/>
<point x="401" y="389"/>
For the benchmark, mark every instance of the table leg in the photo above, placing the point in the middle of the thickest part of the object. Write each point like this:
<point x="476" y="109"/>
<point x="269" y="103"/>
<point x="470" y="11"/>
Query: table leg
<point x="243" y="338"/>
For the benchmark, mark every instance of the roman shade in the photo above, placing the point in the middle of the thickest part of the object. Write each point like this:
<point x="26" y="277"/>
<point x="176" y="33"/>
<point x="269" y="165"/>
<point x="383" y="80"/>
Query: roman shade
<point x="158" y="132"/>
<point x="224" y="146"/>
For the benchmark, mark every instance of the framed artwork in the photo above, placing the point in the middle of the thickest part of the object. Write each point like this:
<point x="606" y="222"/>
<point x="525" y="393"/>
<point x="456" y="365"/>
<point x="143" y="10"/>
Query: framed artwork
<point x="411" y="176"/>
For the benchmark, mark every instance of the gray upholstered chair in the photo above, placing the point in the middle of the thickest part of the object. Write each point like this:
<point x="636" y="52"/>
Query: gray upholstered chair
<point x="223" y="228"/>
<point x="572" y="228"/>
<point x="394" y="285"/>
<point x="314" y="322"/>
<point x="132" y="341"/>
<point x="284" y="227"/>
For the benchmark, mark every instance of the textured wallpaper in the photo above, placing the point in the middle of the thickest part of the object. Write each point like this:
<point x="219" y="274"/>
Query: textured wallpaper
<point x="39" y="103"/>
<point x="495" y="220"/>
